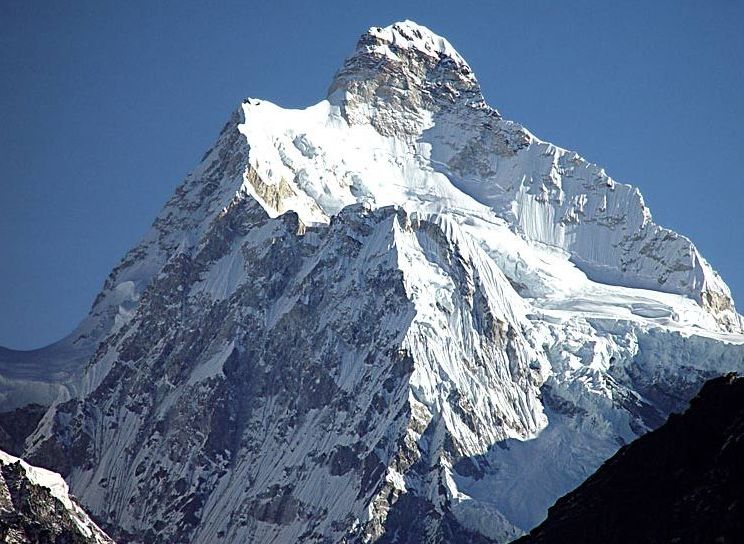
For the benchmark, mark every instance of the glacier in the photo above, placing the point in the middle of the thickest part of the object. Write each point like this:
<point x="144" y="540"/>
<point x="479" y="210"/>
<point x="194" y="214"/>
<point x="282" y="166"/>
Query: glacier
<point x="393" y="316"/>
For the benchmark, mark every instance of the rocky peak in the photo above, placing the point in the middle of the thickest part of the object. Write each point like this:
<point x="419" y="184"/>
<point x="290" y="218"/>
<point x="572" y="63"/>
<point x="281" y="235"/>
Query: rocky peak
<point x="402" y="68"/>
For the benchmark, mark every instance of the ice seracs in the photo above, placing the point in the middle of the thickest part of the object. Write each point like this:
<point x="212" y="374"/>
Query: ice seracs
<point x="392" y="314"/>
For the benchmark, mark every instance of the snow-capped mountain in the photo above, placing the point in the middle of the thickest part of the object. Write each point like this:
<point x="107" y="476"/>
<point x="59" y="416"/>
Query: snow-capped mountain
<point x="393" y="316"/>
<point x="36" y="508"/>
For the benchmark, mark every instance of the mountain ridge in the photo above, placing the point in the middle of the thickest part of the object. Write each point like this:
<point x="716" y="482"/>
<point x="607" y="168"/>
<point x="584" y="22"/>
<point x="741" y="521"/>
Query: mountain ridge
<point x="381" y="305"/>
<point x="36" y="508"/>
<point x="679" y="483"/>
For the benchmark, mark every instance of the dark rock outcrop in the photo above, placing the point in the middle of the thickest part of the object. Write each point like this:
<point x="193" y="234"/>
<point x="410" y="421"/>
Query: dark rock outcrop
<point x="18" y="424"/>
<point x="32" y="513"/>
<point x="681" y="483"/>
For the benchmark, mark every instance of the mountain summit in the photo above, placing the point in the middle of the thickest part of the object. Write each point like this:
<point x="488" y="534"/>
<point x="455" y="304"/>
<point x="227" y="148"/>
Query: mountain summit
<point x="402" y="71"/>
<point x="415" y="90"/>
<point x="393" y="316"/>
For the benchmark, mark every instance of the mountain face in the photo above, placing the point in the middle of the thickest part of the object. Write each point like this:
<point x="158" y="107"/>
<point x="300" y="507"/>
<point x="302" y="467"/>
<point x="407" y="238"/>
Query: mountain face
<point x="683" y="482"/>
<point x="35" y="508"/>
<point x="393" y="316"/>
<point x="16" y="425"/>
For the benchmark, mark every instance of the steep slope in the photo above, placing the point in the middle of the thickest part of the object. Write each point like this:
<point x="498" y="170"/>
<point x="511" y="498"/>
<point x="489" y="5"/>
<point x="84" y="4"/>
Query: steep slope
<point x="288" y="410"/>
<point x="683" y="482"/>
<point x="393" y="316"/>
<point x="35" y="508"/>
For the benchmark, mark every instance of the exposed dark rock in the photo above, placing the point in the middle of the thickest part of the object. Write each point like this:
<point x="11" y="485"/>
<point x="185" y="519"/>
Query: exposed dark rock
<point x="413" y="520"/>
<point x="31" y="514"/>
<point x="683" y="483"/>
<point x="16" y="425"/>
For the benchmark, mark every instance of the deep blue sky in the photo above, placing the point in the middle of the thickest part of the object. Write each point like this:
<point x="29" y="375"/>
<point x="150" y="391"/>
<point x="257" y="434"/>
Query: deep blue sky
<point x="105" y="106"/>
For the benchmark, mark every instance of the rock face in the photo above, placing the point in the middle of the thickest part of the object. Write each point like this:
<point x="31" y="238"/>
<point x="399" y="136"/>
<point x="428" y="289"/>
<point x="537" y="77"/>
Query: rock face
<point x="277" y="407"/>
<point x="35" y="508"/>
<point x="17" y="425"/>
<point x="683" y="482"/>
<point x="393" y="316"/>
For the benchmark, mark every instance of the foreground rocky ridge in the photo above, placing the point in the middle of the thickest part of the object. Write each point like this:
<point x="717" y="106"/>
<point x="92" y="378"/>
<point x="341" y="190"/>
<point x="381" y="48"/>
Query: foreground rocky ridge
<point x="35" y="508"/>
<point x="376" y="319"/>
<point x="683" y="482"/>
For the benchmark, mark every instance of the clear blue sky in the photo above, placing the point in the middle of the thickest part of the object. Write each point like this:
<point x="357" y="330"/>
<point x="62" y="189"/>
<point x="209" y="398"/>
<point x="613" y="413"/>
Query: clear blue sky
<point x="105" y="106"/>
